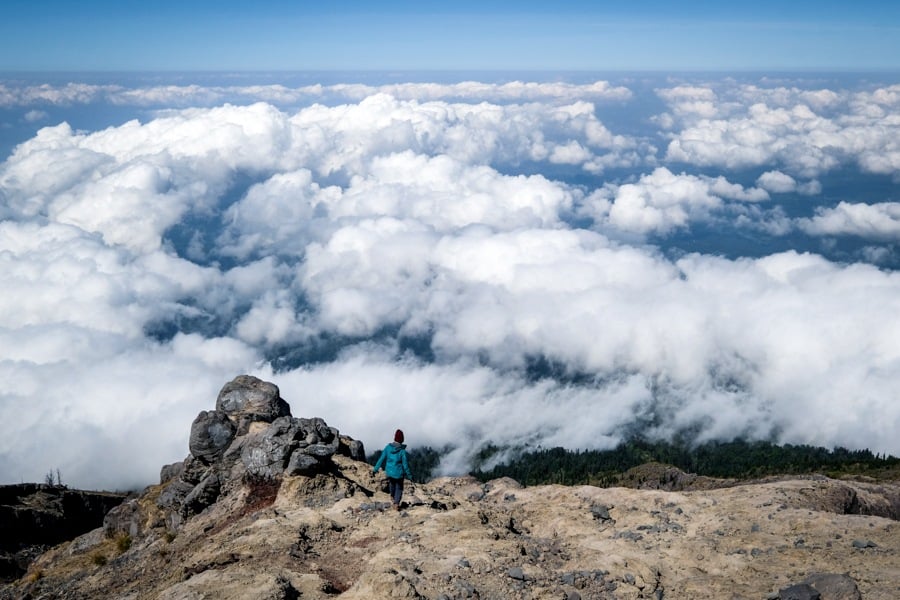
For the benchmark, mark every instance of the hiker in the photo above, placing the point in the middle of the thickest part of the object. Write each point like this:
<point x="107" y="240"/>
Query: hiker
<point x="393" y="458"/>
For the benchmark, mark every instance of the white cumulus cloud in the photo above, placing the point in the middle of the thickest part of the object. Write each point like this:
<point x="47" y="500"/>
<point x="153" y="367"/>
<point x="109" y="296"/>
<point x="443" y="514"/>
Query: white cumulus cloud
<point x="408" y="259"/>
<point x="803" y="132"/>
<point x="873" y="221"/>
<point x="662" y="201"/>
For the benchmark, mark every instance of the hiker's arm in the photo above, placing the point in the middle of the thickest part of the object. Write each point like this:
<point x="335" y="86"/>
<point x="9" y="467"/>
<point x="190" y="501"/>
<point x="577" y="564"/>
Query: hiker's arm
<point x="380" y="461"/>
<point x="406" y="467"/>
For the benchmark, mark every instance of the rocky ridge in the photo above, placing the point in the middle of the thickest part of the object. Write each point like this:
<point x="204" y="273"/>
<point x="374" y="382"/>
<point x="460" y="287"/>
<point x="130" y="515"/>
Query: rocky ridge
<point x="35" y="516"/>
<point x="269" y="506"/>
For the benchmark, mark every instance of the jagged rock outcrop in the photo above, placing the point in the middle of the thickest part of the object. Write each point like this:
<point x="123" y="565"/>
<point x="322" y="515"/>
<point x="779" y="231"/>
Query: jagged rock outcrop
<point x="288" y="509"/>
<point x="250" y="436"/>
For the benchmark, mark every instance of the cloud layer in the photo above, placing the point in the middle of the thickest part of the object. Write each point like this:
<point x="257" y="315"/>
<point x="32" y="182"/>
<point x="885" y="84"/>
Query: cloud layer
<point x="408" y="257"/>
<point x="806" y="132"/>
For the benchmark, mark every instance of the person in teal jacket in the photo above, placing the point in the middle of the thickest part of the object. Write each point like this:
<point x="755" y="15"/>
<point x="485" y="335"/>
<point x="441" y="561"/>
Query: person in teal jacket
<point x="396" y="467"/>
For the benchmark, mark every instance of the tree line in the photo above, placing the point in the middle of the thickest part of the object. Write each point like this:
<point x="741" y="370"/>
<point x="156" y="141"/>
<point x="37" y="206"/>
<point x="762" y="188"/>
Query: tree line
<point x="737" y="459"/>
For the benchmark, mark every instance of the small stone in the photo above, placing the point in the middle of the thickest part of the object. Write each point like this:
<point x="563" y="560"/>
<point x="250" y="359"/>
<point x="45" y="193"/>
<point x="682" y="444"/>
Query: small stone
<point x="600" y="512"/>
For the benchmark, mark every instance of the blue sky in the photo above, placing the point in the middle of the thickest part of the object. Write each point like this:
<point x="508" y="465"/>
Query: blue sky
<point x="353" y="35"/>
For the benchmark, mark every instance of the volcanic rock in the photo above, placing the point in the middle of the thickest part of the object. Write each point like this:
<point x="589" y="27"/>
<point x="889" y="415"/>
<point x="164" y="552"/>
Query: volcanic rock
<point x="246" y="399"/>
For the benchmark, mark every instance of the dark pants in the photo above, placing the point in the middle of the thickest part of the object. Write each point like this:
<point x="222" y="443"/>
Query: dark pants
<point x="395" y="487"/>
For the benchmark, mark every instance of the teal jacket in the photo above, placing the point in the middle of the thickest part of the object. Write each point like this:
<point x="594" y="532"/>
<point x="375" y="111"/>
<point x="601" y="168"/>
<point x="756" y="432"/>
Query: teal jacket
<point x="393" y="457"/>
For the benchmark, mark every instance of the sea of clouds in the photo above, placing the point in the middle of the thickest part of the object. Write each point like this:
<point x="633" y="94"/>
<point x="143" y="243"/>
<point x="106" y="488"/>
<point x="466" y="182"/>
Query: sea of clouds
<point x="472" y="262"/>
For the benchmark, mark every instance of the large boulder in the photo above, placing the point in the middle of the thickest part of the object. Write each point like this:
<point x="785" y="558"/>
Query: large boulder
<point x="822" y="586"/>
<point x="124" y="518"/>
<point x="246" y="399"/>
<point x="173" y="495"/>
<point x="834" y="586"/>
<point x="265" y="453"/>
<point x="801" y="591"/>
<point x="302" y="464"/>
<point x="211" y="434"/>
<point x="352" y="448"/>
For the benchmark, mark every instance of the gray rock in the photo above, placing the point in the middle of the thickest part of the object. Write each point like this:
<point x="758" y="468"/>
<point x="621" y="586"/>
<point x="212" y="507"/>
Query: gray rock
<point x="301" y="464"/>
<point x="173" y="495"/>
<point x="319" y="450"/>
<point x="265" y="454"/>
<point x="834" y="586"/>
<point x="204" y="494"/>
<point x="862" y="544"/>
<point x="317" y="431"/>
<point x="246" y="399"/>
<point x="232" y="454"/>
<point x="466" y="589"/>
<point x="86" y="542"/>
<point x="352" y="448"/>
<point x="801" y="591"/>
<point x="516" y="573"/>
<point x="169" y="472"/>
<point x="211" y="434"/>
<point x="600" y="512"/>
<point x="194" y="470"/>
<point x="629" y="535"/>
<point x="125" y="518"/>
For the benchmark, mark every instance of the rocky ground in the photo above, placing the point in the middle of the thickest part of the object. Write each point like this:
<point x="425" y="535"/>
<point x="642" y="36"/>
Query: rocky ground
<point x="333" y="535"/>
<point x="328" y="532"/>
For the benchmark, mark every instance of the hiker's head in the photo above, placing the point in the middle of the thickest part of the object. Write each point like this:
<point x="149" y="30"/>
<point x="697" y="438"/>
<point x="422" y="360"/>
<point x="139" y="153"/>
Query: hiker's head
<point x="398" y="436"/>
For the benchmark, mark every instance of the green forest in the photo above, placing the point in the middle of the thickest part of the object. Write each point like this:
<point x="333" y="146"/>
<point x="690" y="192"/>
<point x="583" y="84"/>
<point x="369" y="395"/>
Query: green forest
<point x="732" y="460"/>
